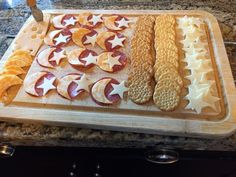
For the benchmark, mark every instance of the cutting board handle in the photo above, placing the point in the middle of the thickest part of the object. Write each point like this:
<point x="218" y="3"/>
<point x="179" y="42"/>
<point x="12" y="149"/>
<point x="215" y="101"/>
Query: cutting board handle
<point x="31" y="3"/>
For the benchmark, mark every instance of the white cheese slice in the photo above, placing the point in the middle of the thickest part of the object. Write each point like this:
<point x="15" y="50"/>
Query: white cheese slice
<point x="30" y="81"/>
<point x="43" y="57"/>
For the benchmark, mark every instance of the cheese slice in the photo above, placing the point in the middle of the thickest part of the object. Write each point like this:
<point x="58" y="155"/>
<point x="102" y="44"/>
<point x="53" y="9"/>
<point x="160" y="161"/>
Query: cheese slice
<point x="31" y="35"/>
<point x="98" y="91"/>
<point x="30" y="81"/>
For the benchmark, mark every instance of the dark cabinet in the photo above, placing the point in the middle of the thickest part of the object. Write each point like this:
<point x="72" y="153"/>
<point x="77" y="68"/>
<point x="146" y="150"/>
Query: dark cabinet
<point x="95" y="162"/>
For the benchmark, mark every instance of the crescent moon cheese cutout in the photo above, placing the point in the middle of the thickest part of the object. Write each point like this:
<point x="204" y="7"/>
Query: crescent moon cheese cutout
<point x="57" y="21"/>
<point x="63" y="84"/>
<point x="7" y="81"/>
<point x="50" y="36"/>
<point x="101" y="38"/>
<point x="43" y="57"/>
<point x="30" y="81"/>
<point x="83" y="18"/>
<point x="110" y="23"/>
<point x="73" y="56"/>
<point x="98" y="91"/>
<point x="78" y="34"/>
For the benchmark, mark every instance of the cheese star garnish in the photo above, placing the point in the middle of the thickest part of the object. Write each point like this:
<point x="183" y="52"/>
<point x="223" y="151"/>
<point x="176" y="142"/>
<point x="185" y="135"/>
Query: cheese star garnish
<point x="117" y="41"/>
<point x="196" y="96"/>
<point x="119" y="89"/>
<point x="123" y="23"/>
<point x="200" y="77"/>
<point x="91" y="39"/>
<point x="192" y="49"/>
<point x="70" y="21"/>
<point x="183" y="21"/>
<point x="111" y="61"/>
<point x="194" y="64"/>
<point x="83" y="83"/>
<point x="47" y="85"/>
<point x="57" y="56"/>
<point x="195" y="21"/>
<point x="96" y="19"/>
<point x="61" y="39"/>
<point x="90" y="59"/>
<point x="211" y="100"/>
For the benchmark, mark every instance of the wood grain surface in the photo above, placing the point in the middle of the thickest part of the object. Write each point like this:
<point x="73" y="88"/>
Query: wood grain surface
<point x="128" y="116"/>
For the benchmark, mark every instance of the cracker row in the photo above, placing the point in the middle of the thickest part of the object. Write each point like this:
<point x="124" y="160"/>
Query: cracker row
<point x="168" y="81"/>
<point x="140" y="79"/>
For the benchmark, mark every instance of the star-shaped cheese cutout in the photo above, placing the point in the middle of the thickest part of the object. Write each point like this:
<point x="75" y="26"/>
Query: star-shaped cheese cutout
<point x="200" y="77"/>
<point x="193" y="64"/>
<point x="112" y="61"/>
<point x="83" y="83"/>
<point x="195" y="56"/>
<point x="123" y="23"/>
<point x="70" y="21"/>
<point x="183" y="21"/>
<point x="57" y="56"/>
<point x="192" y="49"/>
<point x="195" y="21"/>
<point x="205" y="66"/>
<point x="211" y="100"/>
<point x="61" y="39"/>
<point x="117" y="41"/>
<point x="119" y="89"/>
<point x="90" y="59"/>
<point x="196" y="96"/>
<point x="96" y="19"/>
<point x="47" y="85"/>
<point x="91" y="39"/>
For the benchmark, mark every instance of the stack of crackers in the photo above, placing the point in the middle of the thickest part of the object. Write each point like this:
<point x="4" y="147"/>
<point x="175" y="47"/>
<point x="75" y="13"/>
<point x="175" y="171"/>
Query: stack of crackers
<point x="140" y="80"/>
<point x="16" y="65"/>
<point x="168" y="81"/>
<point x="163" y="67"/>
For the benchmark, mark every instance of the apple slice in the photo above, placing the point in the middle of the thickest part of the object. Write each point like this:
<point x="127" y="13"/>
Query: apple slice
<point x="112" y="61"/>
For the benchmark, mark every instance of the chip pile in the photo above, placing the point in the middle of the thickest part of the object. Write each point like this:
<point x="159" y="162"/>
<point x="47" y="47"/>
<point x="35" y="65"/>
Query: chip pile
<point x="140" y="78"/>
<point x="9" y="75"/>
<point x="168" y="81"/>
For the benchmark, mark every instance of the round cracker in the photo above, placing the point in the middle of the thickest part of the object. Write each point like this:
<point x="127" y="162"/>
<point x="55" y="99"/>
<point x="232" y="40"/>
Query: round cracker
<point x="172" y="76"/>
<point x="166" y="98"/>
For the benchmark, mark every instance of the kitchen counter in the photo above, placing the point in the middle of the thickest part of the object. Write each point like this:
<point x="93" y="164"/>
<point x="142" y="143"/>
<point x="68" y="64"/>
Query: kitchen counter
<point x="14" y="14"/>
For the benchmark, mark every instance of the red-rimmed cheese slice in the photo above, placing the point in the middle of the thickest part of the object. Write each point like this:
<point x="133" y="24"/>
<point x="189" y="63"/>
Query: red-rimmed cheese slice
<point x="83" y="36"/>
<point x="71" y="85"/>
<point x="40" y="83"/>
<point x="100" y="91"/>
<point x="110" y="41"/>
<point x="116" y="22"/>
<point x="112" y="61"/>
<point x="64" y="21"/>
<point x="82" y="58"/>
<point x="50" y="57"/>
<point x="90" y="20"/>
<point x="58" y="37"/>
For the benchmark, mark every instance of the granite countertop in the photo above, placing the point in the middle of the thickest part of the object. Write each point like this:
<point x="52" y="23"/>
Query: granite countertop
<point x="12" y="17"/>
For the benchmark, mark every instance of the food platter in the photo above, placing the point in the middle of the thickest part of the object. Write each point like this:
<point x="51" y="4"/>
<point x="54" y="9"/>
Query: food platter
<point x="127" y="115"/>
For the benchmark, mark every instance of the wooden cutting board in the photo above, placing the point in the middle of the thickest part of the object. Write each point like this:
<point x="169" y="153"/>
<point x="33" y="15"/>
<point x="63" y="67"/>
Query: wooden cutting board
<point x="127" y="116"/>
